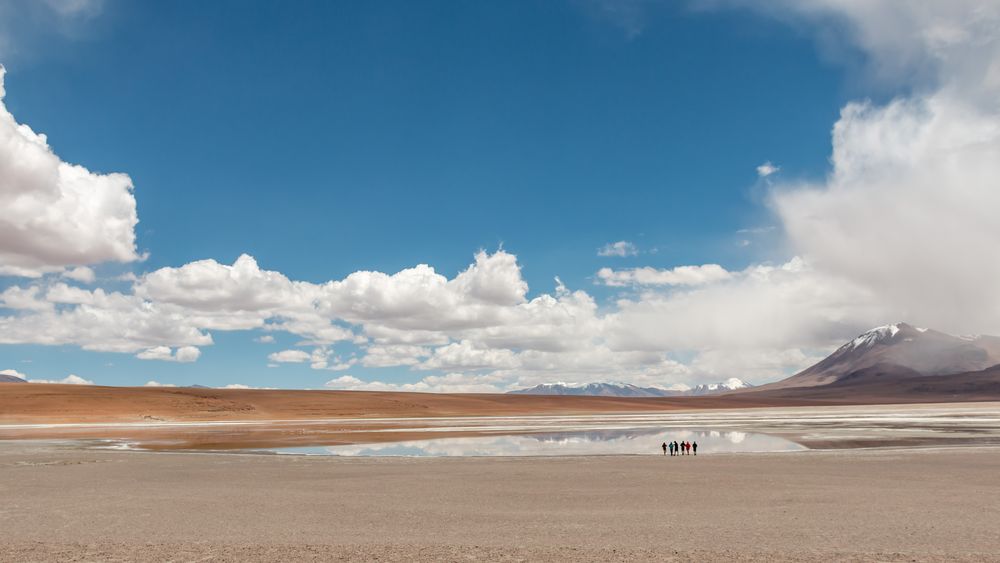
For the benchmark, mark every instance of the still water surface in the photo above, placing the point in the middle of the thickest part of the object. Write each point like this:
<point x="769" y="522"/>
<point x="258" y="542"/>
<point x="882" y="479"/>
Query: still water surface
<point x="601" y="442"/>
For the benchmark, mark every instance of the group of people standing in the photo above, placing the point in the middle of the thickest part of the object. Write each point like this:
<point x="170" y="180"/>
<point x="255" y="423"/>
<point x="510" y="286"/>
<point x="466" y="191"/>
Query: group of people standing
<point x="684" y="448"/>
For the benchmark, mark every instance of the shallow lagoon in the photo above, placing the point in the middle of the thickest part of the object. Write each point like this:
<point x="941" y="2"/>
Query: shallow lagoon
<point x="603" y="442"/>
<point x="720" y="431"/>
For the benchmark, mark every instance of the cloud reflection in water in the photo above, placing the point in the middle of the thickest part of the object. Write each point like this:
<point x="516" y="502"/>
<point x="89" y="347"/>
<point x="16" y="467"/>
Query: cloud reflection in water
<point x="601" y="442"/>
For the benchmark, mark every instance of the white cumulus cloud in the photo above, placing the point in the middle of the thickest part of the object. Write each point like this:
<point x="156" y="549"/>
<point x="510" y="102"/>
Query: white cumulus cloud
<point x="289" y="356"/>
<point x="681" y="275"/>
<point x="449" y="383"/>
<point x="621" y="248"/>
<point x="71" y="379"/>
<point x="766" y="169"/>
<point x="57" y="215"/>
<point x="81" y="274"/>
<point x="183" y="354"/>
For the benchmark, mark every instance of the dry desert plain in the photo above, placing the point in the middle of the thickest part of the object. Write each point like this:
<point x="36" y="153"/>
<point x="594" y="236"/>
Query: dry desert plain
<point x="910" y="498"/>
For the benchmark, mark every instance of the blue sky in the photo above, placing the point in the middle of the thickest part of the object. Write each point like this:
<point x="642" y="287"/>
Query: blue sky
<point x="411" y="132"/>
<point x="327" y="138"/>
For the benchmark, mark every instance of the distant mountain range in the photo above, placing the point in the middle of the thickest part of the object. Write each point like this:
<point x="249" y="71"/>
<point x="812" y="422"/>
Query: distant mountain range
<point x="897" y="362"/>
<point x="891" y="363"/>
<point x="629" y="390"/>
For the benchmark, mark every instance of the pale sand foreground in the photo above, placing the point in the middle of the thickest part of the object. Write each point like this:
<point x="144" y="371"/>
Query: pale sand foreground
<point x="61" y="503"/>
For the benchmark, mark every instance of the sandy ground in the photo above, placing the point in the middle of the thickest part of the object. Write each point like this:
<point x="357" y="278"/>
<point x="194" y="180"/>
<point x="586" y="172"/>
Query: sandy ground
<point x="63" y="503"/>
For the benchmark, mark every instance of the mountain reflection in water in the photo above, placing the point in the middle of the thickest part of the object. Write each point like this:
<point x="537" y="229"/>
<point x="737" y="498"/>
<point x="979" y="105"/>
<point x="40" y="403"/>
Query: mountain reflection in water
<point x="597" y="442"/>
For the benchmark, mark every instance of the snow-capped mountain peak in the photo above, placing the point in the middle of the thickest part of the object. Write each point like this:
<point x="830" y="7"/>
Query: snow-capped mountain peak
<point x="735" y="383"/>
<point x="731" y="384"/>
<point x="874" y="336"/>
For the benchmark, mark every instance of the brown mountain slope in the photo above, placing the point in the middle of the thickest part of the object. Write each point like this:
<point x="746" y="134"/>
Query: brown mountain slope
<point x="923" y="351"/>
<point x="887" y="383"/>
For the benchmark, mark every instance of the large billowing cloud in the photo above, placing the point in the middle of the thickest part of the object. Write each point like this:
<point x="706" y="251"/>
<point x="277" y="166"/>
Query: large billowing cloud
<point x="908" y="211"/>
<point x="55" y="214"/>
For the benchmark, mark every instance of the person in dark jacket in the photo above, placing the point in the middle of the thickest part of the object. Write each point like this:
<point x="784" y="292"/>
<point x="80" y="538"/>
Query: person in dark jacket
<point x="677" y="450"/>
<point x="665" y="449"/>
<point x="694" y="446"/>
